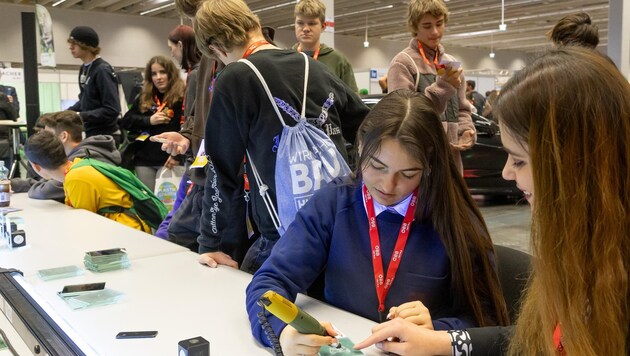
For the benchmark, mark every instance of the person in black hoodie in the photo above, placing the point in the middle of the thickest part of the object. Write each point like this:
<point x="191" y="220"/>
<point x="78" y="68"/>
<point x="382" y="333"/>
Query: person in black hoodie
<point x="242" y="118"/>
<point x="68" y="127"/>
<point x="157" y="109"/>
<point x="98" y="105"/>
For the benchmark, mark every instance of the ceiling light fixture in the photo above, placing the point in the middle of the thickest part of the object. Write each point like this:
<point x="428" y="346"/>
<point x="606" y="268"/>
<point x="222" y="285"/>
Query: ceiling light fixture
<point x="364" y="11"/>
<point x="366" y="43"/>
<point x="157" y="8"/>
<point x="273" y="7"/>
<point x="491" y="54"/>
<point x="58" y="2"/>
<point x="502" y="26"/>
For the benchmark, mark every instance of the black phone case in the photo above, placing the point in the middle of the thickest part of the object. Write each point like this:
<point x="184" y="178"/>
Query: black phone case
<point x="136" y="334"/>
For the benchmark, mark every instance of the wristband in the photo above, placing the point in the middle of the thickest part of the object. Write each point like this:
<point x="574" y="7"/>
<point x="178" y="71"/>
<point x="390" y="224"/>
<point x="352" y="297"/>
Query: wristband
<point x="461" y="344"/>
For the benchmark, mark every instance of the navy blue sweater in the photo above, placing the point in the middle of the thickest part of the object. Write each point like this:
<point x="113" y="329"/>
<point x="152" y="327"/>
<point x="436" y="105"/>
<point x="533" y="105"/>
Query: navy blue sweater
<point x="331" y="233"/>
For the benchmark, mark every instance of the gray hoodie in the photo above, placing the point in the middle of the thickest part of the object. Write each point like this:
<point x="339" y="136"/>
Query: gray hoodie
<point x="99" y="147"/>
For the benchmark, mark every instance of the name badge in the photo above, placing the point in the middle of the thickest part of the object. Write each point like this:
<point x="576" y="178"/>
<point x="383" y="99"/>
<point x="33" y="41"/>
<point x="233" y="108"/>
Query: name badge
<point x="143" y="136"/>
<point x="201" y="160"/>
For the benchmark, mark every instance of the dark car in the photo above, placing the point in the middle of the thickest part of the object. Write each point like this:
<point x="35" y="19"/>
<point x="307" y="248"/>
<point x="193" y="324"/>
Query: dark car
<point x="484" y="162"/>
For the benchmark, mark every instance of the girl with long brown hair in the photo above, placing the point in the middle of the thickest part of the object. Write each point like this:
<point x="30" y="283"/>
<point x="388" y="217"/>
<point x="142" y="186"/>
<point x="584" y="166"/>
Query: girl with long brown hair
<point x="407" y="187"/>
<point x="578" y="138"/>
<point x="565" y="123"/>
<point x="157" y="109"/>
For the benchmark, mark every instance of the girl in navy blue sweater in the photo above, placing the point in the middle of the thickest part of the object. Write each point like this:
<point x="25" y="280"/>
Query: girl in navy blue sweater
<point x="406" y="206"/>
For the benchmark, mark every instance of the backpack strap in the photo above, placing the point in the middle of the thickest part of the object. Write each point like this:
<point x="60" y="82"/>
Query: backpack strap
<point x="266" y="87"/>
<point x="270" y="96"/>
<point x="306" y="71"/>
<point x="130" y="212"/>
<point x="415" y="66"/>
<point x="262" y="190"/>
<point x="262" y="187"/>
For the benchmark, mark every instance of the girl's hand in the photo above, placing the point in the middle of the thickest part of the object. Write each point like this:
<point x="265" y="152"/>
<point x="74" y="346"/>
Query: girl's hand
<point x="293" y="343"/>
<point x="410" y="339"/>
<point x="414" y="312"/>
<point x="160" y="118"/>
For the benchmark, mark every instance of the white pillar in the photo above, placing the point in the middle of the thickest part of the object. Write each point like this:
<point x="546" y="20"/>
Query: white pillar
<point x="329" y="37"/>
<point x="619" y="35"/>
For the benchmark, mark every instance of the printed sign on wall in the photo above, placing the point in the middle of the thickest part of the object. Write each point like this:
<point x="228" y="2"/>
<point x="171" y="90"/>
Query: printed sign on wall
<point x="47" y="47"/>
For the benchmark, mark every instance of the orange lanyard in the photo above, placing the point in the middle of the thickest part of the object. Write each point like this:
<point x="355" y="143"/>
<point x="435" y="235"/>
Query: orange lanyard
<point x="315" y="55"/>
<point x="421" y="50"/>
<point x="160" y="105"/>
<point x="252" y="47"/>
<point x="557" y="340"/>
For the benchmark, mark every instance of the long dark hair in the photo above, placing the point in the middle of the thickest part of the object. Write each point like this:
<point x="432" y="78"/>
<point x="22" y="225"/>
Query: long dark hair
<point x="410" y="118"/>
<point x="190" y="53"/>
<point x="570" y="110"/>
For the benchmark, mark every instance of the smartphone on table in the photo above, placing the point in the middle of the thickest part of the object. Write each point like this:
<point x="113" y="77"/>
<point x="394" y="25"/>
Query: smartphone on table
<point x="136" y="334"/>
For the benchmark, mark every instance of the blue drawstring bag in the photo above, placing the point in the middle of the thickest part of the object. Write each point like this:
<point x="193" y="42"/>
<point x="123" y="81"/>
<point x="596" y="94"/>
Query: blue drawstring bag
<point x="306" y="158"/>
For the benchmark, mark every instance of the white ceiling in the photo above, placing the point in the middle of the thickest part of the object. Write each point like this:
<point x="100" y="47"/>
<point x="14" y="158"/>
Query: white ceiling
<point x="472" y="23"/>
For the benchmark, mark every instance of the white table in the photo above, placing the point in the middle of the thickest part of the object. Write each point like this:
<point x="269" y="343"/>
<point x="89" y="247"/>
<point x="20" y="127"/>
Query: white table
<point x="58" y="235"/>
<point x="181" y="299"/>
<point x="165" y="288"/>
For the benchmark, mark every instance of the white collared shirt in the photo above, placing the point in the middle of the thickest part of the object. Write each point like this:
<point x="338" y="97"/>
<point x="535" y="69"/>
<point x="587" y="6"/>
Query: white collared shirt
<point x="400" y="208"/>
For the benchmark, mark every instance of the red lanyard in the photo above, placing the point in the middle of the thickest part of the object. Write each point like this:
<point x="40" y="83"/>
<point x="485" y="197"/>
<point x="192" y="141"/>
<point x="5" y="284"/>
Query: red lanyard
<point x="315" y="55"/>
<point x="252" y="47"/>
<point x="245" y="174"/>
<point x="421" y="50"/>
<point x="383" y="285"/>
<point x="160" y="105"/>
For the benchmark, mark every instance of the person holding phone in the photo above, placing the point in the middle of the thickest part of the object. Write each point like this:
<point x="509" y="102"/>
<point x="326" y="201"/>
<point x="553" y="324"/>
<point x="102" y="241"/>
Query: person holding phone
<point x="571" y="160"/>
<point x="425" y="67"/>
<point x="406" y="199"/>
